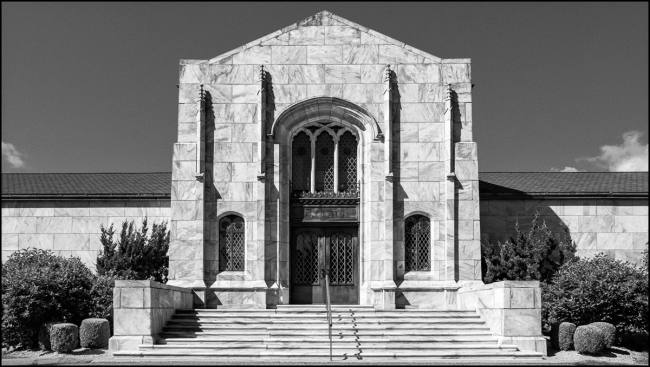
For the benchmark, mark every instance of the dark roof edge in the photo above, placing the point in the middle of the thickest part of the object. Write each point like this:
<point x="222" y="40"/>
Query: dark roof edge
<point x="568" y="195"/>
<point x="39" y="197"/>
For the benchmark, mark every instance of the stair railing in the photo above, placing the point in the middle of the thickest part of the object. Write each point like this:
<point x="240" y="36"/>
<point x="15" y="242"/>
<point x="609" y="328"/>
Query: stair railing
<point x="328" y="306"/>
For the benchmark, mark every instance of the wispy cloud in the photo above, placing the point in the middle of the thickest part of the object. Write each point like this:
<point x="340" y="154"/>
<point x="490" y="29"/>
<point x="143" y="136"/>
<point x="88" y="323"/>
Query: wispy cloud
<point x="629" y="156"/>
<point x="566" y="169"/>
<point x="12" y="156"/>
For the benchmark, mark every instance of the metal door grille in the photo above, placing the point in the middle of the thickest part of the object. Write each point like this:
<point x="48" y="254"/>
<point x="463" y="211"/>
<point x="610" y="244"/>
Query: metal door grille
<point x="301" y="162"/>
<point x="306" y="268"/>
<point x="231" y="243"/>
<point x="418" y="243"/>
<point x="347" y="162"/>
<point x="324" y="162"/>
<point x="342" y="258"/>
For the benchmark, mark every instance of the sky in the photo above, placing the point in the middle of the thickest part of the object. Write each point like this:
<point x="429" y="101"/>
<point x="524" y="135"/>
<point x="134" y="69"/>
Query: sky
<point x="91" y="87"/>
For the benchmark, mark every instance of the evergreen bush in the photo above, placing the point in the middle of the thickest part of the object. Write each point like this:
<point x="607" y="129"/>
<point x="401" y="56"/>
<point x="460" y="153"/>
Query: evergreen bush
<point x="37" y="287"/>
<point x="135" y="255"/>
<point x="608" y="330"/>
<point x="598" y="289"/>
<point x="94" y="333"/>
<point x="64" y="337"/>
<point x="535" y="255"/>
<point x="588" y="339"/>
<point x="562" y="335"/>
<point x="44" y="335"/>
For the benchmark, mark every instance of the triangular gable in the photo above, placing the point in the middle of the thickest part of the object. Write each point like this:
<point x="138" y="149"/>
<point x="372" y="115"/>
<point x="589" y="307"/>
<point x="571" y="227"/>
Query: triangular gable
<point x="308" y="32"/>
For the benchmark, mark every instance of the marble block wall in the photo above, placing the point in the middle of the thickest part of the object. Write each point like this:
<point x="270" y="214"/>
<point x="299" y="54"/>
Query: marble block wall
<point x="72" y="227"/>
<point x="141" y="308"/>
<point x="511" y="309"/>
<point x="614" y="226"/>
<point x="326" y="55"/>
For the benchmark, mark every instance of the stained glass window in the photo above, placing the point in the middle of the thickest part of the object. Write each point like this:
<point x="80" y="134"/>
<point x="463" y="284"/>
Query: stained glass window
<point x="324" y="162"/>
<point x="306" y="267"/>
<point x="417" y="236"/>
<point x="231" y="243"/>
<point x="301" y="162"/>
<point x="347" y="162"/>
<point x="342" y="258"/>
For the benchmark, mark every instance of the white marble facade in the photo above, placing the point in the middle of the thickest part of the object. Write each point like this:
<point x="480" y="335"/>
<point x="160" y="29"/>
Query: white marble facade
<point x="412" y="113"/>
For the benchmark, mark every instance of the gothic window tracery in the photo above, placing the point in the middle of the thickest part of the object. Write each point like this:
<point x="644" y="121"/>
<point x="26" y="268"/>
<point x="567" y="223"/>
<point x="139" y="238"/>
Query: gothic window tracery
<point x="231" y="243"/>
<point x="417" y="244"/>
<point x="327" y="155"/>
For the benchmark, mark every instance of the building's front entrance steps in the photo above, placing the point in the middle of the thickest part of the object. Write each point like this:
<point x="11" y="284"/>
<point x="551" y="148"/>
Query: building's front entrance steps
<point x="358" y="333"/>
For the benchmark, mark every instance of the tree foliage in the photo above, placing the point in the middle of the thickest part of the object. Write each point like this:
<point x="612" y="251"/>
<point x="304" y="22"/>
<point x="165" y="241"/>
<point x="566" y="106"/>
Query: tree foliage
<point x="134" y="254"/>
<point x="532" y="255"/>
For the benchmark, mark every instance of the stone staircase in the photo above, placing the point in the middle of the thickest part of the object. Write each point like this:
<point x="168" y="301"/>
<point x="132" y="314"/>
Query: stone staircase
<point x="359" y="333"/>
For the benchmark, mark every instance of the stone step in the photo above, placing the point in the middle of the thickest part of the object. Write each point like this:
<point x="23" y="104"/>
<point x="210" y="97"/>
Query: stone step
<point x="335" y="321"/>
<point x="335" y="346"/>
<point x="323" y="316"/>
<point x="324" y="326"/>
<point x="210" y="333"/>
<point x="339" y="354"/>
<point x="390" y="339"/>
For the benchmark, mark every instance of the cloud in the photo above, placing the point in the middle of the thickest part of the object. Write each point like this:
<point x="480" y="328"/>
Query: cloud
<point x="12" y="156"/>
<point x="566" y="169"/>
<point x="629" y="156"/>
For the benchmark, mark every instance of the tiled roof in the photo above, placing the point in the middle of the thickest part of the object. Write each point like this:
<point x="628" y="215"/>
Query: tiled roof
<point x="81" y="184"/>
<point x="563" y="183"/>
<point x="158" y="184"/>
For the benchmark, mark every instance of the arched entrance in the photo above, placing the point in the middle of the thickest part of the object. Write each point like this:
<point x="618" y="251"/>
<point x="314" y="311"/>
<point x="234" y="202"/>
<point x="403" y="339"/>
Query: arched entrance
<point x="325" y="139"/>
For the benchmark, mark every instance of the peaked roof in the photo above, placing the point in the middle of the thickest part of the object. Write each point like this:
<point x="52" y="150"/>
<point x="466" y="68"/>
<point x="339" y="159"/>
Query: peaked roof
<point x="563" y="183"/>
<point x="87" y="184"/>
<point x="323" y="18"/>
<point x="158" y="184"/>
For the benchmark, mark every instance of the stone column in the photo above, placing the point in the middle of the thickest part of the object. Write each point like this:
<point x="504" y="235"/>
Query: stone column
<point x="336" y="164"/>
<point x="312" y="180"/>
<point x="450" y="196"/>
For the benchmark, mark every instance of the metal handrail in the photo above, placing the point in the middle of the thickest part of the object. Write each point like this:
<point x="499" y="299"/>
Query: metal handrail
<point x="329" y="307"/>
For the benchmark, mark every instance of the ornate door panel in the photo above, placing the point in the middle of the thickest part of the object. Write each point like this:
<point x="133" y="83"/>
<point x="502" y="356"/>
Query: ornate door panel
<point x="316" y="248"/>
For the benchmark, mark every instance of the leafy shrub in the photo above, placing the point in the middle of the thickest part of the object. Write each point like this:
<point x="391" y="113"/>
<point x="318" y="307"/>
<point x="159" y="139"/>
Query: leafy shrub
<point x="608" y="330"/>
<point x="588" y="339"/>
<point x="38" y="286"/>
<point x="94" y="333"/>
<point x="535" y="255"/>
<point x="562" y="335"/>
<point x="64" y="337"/>
<point x="102" y="298"/>
<point x="135" y="255"/>
<point x="598" y="289"/>
<point x="44" y="335"/>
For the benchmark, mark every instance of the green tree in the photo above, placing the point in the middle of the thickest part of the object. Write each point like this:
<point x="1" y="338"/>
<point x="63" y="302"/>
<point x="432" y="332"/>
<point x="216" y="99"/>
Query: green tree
<point x="135" y="254"/>
<point x="535" y="255"/>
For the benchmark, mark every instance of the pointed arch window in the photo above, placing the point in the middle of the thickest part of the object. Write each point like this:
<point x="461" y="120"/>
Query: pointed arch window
<point x="347" y="149"/>
<point x="301" y="162"/>
<point x="231" y="243"/>
<point x="324" y="162"/>
<point x="417" y="243"/>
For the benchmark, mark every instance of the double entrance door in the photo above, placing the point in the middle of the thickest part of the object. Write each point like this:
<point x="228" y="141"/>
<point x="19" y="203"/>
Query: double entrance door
<point x="314" y="249"/>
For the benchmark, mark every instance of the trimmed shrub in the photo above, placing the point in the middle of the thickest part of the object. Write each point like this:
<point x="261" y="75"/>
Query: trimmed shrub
<point x="135" y="255"/>
<point x="102" y="298"/>
<point x="64" y="337"/>
<point x="562" y="335"/>
<point x="598" y="289"/>
<point x="94" y="333"/>
<point x="608" y="330"/>
<point x="535" y="255"/>
<point x="44" y="335"/>
<point x="38" y="286"/>
<point x="588" y="339"/>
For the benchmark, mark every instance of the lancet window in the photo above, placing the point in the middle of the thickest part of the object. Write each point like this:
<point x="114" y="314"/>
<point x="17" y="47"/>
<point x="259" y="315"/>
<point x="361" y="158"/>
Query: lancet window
<point x="231" y="243"/>
<point x="324" y="160"/>
<point x="417" y="236"/>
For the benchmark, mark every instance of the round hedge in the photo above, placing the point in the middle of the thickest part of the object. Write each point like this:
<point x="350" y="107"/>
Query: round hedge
<point x="44" y="335"/>
<point x="608" y="330"/>
<point x="64" y="338"/>
<point x="562" y="335"/>
<point x="588" y="339"/>
<point x="94" y="333"/>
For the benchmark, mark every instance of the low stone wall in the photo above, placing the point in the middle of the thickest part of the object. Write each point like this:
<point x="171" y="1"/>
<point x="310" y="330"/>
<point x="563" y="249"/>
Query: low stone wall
<point x="140" y="310"/>
<point x="512" y="310"/>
